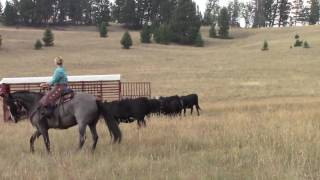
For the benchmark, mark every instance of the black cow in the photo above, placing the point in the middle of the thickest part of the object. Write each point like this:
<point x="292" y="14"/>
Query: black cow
<point x="189" y="101"/>
<point x="171" y="106"/>
<point x="129" y="110"/>
<point x="154" y="106"/>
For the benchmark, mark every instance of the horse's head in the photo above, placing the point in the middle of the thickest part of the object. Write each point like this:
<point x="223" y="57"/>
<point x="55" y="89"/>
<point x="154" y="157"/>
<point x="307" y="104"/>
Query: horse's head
<point x="15" y="107"/>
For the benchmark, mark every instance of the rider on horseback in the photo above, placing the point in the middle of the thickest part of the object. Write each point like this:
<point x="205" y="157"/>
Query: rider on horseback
<point x="59" y="83"/>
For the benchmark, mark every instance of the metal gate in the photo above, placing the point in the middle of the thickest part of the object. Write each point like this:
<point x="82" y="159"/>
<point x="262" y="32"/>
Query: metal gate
<point x="131" y="90"/>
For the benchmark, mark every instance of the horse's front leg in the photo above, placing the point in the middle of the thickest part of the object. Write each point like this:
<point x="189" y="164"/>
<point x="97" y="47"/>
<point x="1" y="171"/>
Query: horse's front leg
<point x="45" y="135"/>
<point x="32" y="140"/>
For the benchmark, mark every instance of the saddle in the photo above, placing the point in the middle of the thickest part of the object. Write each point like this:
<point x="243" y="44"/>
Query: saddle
<point x="66" y="96"/>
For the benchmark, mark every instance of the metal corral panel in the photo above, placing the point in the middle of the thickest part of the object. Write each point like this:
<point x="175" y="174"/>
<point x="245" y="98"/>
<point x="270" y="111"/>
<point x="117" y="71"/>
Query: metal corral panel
<point x="89" y="78"/>
<point x="106" y="87"/>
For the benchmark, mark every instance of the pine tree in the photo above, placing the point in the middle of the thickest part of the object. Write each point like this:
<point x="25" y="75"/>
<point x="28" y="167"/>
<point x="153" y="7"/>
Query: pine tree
<point x="128" y="14"/>
<point x="117" y="10"/>
<point x="235" y="13"/>
<point x="163" y="34"/>
<point x="38" y="45"/>
<point x="259" y="16"/>
<point x="199" y="41"/>
<point x="306" y="44"/>
<point x="101" y="11"/>
<point x="48" y="37"/>
<point x="212" y="31"/>
<point x="103" y="30"/>
<point x="0" y="8"/>
<point x="10" y="14"/>
<point x="26" y="10"/>
<point x="145" y="34"/>
<point x="126" y="40"/>
<point x="297" y="11"/>
<point x="247" y="12"/>
<point x="211" y="13"/>
<point x="297" y="43"/>
<point x="185" y="24"/>
<point x="270" y="10"/>
<point x="265" y="46"/>
<point x="230" y="11"/>
<point x="284" y="11"/>
<point x="314" y="12"/>
<point x="224" y="23"/>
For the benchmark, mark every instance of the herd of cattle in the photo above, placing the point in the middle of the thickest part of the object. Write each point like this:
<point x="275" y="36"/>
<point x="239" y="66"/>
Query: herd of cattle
<point x="129" y="110"/>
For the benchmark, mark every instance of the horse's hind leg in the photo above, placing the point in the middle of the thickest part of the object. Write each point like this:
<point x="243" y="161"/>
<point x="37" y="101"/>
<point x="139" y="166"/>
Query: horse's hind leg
<point x="43" y="129"/>
<point x="32" y="139"/>
<point x="82" y="132"/>
<point x="45" y="135"/>
<point x="95" y="136"/>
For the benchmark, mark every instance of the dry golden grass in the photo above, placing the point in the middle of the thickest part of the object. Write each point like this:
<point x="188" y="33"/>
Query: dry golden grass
<point x="260" y="117"/>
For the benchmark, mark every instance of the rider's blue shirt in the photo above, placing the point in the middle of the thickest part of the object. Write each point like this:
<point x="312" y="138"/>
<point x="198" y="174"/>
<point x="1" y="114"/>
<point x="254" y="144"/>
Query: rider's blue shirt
<point x="59" y="77"/>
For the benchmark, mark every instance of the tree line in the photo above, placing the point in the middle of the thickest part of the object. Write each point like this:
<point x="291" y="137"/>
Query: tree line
<point x="58" y="12"/>
<point x="135" y="13"/>
<point x="265" y="13"/>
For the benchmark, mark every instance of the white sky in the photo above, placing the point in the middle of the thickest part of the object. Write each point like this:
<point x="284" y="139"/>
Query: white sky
<point x="201" y="3"/>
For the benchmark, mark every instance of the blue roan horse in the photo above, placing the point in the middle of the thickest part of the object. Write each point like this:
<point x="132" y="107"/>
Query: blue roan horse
<point x="83" y="109"/>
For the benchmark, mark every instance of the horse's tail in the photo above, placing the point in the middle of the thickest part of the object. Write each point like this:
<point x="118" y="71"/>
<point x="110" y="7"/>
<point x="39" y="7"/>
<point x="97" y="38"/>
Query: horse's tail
<point x="111" y="123"/>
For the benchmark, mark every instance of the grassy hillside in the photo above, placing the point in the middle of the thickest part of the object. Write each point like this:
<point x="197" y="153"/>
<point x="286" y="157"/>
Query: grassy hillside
<point x="260" y="117"/>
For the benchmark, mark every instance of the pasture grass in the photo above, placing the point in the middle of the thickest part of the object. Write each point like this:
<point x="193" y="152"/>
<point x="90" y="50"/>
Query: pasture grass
<point x="260" y="117"/>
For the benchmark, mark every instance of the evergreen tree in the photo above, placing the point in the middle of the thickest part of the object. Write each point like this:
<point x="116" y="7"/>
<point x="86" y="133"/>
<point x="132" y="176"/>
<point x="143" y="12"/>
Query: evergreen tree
<point x="230" y="11"/>
<point x="235" y="13"/>
<point x="211" y="13"/>
<point x="314" y="12"/>
<point x="126" y="40"/>
<point x="297" y="43"/>
<point x="145" y="34"/>
<point x="43" y="11"/>
<point x="199" y="14"/>
<point x="265" y="46"/>
<point x="199" y="41"/>
<point x="247" y="13"/>
<point x="163" y="34"/>
<point x="10" y="14"/>
<point x="117" y="10"/>
<point x="284" y="11"/>
<point x="48" y="37"/>
<point x="259" y="17"/>
<point x="26" y="10"/>
<point x="128" y="14"/>
<point x="38" y="45"/>
<point x="0" y="8"/>
<point x="306" y="44"/>
<point x="103" y="30"/>
<point x="101" y="11"/>
<point x="212" y="31"/>
<point x="224" y="23"/>
<point x="270" y="9"/>
<point x="305" y="17"/>
<point x="185" y="24"/>
<point x="297" y="11"/>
